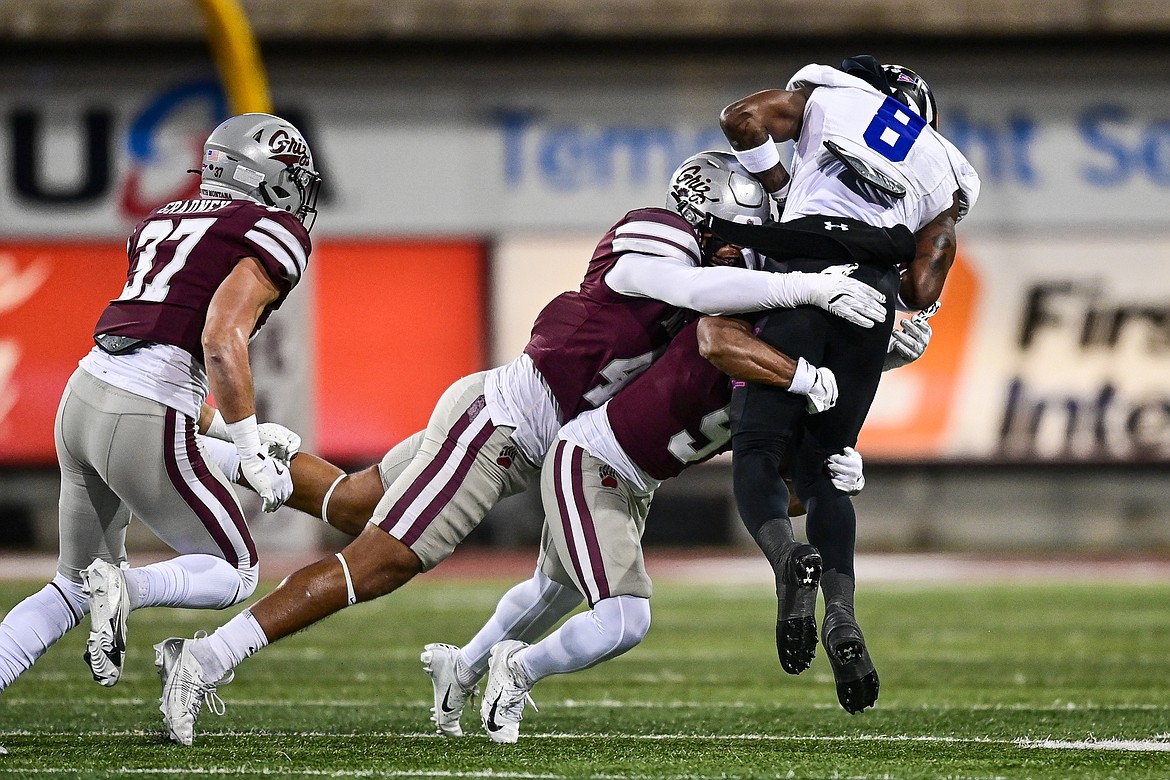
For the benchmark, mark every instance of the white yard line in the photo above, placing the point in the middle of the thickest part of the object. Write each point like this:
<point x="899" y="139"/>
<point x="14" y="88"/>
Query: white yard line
<point x="1159" y="745"/>
<point x="1139" y="746"/>
<point x="607" y="704"/>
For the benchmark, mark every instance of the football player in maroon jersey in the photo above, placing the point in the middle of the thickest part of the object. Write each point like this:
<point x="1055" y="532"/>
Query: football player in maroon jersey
<point x="490" y="431"/>
<point x="204" y="275"/>
<point x="596" y="485"/>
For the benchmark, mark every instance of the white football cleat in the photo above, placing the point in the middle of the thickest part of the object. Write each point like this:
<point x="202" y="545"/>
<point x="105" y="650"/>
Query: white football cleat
<point x="104" y="586"/>
<point x="184" y="689"/>
<point x="450" y="696"/>
<point x="507" y="689"/>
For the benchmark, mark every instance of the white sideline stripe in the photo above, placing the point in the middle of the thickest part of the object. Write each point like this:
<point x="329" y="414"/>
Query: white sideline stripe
<point x="1147" y="745"/>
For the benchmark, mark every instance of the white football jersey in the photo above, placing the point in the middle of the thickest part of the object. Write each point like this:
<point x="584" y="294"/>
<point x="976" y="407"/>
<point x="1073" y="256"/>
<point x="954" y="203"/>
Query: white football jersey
<point x="886" y="135"/>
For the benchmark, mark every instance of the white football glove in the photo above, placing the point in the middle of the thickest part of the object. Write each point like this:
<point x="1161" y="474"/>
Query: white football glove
<point x="823" y="395"/>
<point x="908" y="344"/>
<point x="818" y="385"/>
<point x="281" y="442"/>
<point x="836" y="292"/>
<point x="268" y="477"/>
<point x="223" y="454"/>
<point x="845" y="471"/>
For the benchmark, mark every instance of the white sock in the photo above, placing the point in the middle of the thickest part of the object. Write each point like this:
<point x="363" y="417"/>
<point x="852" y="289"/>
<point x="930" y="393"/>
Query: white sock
<point x="33" y="625"/>
<point x="195" y="581"/>
<point x="612" y="627"/>
<point x="525" y="612"/>
<point x="232" y="642"/>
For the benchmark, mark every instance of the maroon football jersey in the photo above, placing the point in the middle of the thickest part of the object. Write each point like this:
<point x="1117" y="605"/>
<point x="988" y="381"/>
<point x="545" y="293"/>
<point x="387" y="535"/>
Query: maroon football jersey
<point x="181" y="253"/>
<point x="589" y="343"/>
<point x="677" y="413"/>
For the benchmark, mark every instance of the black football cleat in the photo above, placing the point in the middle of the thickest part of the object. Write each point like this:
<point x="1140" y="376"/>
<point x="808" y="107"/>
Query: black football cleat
<point x="857" y="680"/>
<point x="796" y="595"/>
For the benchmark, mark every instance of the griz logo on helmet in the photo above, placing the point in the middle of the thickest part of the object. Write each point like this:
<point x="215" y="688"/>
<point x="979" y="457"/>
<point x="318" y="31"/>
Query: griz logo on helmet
<point x="691" y="186"/>
<point x="287" y="148"/>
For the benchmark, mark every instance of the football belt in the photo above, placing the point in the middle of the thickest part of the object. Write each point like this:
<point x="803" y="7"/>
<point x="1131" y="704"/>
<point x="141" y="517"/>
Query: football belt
<point x="118" y="345"/>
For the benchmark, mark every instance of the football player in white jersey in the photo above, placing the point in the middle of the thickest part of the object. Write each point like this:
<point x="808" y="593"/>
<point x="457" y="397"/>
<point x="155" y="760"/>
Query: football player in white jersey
<point x="870" y="173"/>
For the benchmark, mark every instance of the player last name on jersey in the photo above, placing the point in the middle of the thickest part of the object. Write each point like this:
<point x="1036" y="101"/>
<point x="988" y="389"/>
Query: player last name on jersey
<point x="193" y="206"/>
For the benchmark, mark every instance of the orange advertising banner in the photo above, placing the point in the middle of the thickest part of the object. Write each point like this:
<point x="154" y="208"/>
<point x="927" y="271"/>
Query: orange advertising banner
<point x="51" y="294"/>
<point x="912" y="416"/>
<point x="396" y="323"/>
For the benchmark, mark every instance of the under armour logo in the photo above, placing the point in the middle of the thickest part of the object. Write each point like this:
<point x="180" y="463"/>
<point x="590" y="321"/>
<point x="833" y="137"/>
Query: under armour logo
<point x="832" y="226"/>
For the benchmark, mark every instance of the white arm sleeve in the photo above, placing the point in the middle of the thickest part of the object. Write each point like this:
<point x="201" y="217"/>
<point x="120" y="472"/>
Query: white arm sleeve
<point x="707" y="290"/>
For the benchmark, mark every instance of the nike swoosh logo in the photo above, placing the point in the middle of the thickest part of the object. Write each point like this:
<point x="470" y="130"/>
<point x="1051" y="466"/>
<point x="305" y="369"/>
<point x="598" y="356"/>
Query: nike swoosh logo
<point x="446" y="705"/>
<point x="119" y="643"/>
<point x="491" y="724"/>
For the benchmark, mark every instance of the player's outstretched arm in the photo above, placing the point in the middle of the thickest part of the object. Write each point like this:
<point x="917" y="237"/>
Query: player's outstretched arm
<point x="352" y="497"/>
<point x="731" y="347"/>
<point x="728" y="290"/>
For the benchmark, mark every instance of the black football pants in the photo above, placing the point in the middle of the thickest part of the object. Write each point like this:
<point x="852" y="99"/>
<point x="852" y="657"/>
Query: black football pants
<point x="770" y="427"/>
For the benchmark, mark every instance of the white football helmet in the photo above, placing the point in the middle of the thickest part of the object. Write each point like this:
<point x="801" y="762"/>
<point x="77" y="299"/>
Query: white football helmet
<point x="716" y="183"/>
<point x="263" y="158"/>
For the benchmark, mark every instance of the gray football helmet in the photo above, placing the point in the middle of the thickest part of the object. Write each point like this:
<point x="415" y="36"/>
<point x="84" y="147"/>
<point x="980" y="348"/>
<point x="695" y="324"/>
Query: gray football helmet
<point x="715" y="183"/>
<point x="263" y="158"/>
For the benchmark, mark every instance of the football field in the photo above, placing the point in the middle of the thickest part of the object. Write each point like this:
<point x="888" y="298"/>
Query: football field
<point x="980" y="679"/>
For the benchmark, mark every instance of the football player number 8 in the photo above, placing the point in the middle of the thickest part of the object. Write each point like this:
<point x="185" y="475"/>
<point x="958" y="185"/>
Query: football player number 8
<point x="159" y="232"/>
<point x="893" y="130"/>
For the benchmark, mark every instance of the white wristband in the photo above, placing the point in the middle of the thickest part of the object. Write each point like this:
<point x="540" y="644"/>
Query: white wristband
<point x="217" y="428"/>
<point x="246" y="436"/>
<point x="760" y="158"/>
<point x="803" y="378"/>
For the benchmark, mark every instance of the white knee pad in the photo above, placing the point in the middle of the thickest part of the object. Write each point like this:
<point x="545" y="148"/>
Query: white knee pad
<point x="623" y="620"/>
<point x="249" y="578"/>
<point x="612" y="627"/>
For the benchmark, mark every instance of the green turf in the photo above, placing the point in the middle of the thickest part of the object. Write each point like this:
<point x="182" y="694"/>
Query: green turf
<point x="971" y="676"/>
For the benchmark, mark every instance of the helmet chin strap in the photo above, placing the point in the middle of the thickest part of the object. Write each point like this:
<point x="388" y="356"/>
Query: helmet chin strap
<point x="265" y="198"/>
